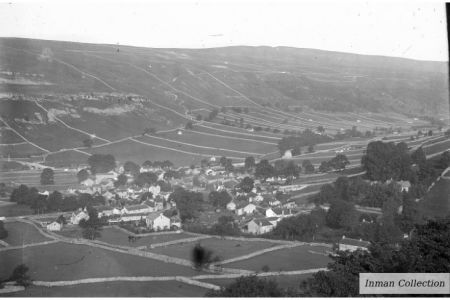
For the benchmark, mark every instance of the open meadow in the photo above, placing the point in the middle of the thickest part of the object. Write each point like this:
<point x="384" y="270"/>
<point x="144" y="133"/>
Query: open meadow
<point x="297" y="258"/>
<point x="223" y="248"/>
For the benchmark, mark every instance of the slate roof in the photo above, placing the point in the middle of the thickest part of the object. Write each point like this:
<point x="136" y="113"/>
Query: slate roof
<point x="354" y="242"/>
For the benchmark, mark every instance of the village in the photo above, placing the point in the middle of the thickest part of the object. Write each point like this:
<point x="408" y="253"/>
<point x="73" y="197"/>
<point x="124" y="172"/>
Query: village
<point x="256" y="211"/>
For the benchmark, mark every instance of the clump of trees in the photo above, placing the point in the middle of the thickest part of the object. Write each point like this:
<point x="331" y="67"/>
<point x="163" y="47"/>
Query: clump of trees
<point x="425" y="252"/>
<point x="82" y="175"/>
<point x="202" y="257"/>
<point x="54" y="202"/>
<point x="47" y="177"/>
<point x="3" y="231"/>
<point x="20" y="276"/>
<point x="339" y="162"/>
<point x="384" y="161"/>
<point x="301" y="227"/>
<point x="92" y="226"/>
<point x="101" y="163"/>
<point x="252" y="286"/>
<point x="303" y="139"/>
<point x="188" y="203"/>
<point x="219" y="199"/>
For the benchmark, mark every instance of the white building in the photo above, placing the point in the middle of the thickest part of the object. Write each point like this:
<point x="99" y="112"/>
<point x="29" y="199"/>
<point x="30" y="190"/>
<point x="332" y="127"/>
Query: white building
<point x="157" y="221"/>
<point x="348" y="244"/>
<point x="259" y="226"/>
<point x="136" y="209"/>
<point x="78" y="216"/>
<point x="54" y="226"/>
<point x="231" y="205"/>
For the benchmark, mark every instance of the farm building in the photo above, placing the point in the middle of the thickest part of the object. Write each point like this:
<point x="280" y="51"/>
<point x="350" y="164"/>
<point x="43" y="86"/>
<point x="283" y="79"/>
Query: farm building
<point x="260" y="226"/>
<point x="54" y="226"/>
<point x="348" y="244"/>
<point x="158" y="221"/>
<point x="78" y="216"/>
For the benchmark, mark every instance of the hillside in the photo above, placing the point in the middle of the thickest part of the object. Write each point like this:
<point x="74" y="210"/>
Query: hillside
<point x="55" y="95"/>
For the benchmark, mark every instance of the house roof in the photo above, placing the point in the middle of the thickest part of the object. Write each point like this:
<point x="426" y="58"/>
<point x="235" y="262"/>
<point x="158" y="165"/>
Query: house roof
<point x="262" y="222"/>
<point x="136" y="207"/>
<point x="152" y="216"/>
<point x="103" y="208"/>
<point x="354" y="242"/>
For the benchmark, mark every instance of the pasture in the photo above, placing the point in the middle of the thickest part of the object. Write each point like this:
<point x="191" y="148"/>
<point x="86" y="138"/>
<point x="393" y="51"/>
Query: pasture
<point x="140" y="152"/>
<point x="62" y="261"/>
<point x="22" y="234"/>
<point x="14" y="210"/>
<point x="221" y="141"/>
<point x="115" y="236"/>
<point x="297" y="258"/>
<point x="224" y="249"/>
<point x="116" y="289"/>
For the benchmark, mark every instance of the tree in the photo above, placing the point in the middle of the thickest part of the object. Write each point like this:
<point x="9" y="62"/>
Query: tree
<point x="223" y="161"/>
<point x="308" y="166"/>
<point x="444" y="160"/>
<point x="250" y="286"/>
<point x="199" y="117"/>
<point x="88" y="143"/>
<point x="339" y="162"/>
<point x="188" y="203"/>
<point x="325" y="167"/>
<point x="61" y="220"/>
<point x="47" y="177"/>
<point x="201" y="257"/>
<point x="425" y="252"/>
<point x="384" y="161"/>
<point x="122" y="179"/>
<point x="131" y="168"/>
<point x="310" y="148"/>
<point x="55" y="201"/>
<point x="101" y="163"/>
<point x="419" y="157"/>
<point x="189" y="125"/>
<point x="264" y="169"/>
<point x="219" y="199"/>
<point x="342" y="214"/>
<point x="146" y="178"/>
<point x="20" y="276"/>
<point x="3" y="231"/>
<point x="82" y="175"/>
<point x="229" y="165"/>
<point x="246" y="184"/>
<point x="249" y="162"/>
<point x="291" y="170"/>
<point x="320" y="129"/>
<point x="92" y="226"/>
<point x="147" y="164"/>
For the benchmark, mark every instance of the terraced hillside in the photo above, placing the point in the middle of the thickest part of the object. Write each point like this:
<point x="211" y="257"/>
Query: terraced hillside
<point x="56" y="95"/>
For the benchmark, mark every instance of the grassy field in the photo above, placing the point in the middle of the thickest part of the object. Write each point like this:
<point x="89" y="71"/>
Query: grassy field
<point x="33" y="178"/>
<point x="61" y="261"/>
<point x="225" y="249"/>
<point x="194" y="137"/>
<point x="437" y="147"/>
<point x="297" y="258"/>
<point x="213" y="150"/>
<point x="117" y="237"/>
<point x="437" y="200"/>
<point x="116" y="289"/>
<point x="21" y="234"/>
<point x="65" y="158"/>
<point x="139" y="153"/>
<point x="15" y="210"/>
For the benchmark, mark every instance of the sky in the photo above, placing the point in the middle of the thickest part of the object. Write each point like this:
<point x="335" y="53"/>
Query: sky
<point x="407" y="29"/>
